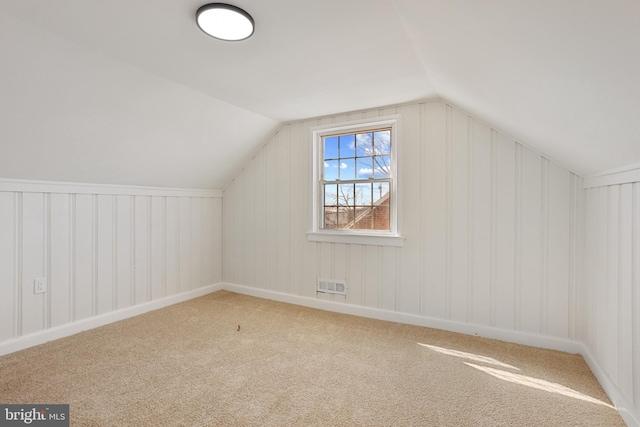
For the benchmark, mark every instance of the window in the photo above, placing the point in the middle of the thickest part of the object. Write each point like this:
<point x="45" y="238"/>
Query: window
<point x="355" y="186"/>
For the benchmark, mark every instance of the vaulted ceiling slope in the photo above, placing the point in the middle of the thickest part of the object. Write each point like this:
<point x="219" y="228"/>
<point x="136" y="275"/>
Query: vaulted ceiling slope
<point x="131" y="92"/>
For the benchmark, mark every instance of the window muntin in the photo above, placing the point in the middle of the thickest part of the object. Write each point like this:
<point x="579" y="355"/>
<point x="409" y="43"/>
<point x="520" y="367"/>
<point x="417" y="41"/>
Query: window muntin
<point x="356" y="180"/>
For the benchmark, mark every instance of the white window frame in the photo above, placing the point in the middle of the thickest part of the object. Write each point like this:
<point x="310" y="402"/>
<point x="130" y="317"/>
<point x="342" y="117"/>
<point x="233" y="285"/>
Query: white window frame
<point x="365" y="237"/>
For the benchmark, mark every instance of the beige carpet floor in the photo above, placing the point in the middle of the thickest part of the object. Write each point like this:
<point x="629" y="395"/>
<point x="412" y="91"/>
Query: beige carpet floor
<point x="189" y="365"/>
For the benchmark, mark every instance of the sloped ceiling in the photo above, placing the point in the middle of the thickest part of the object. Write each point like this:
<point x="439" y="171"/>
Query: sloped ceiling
<point x="131" y="92"/>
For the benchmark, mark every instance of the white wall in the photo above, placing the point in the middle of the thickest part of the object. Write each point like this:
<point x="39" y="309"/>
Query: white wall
<point x="491" y="227"/>
<point x="610" y="297"/>
<point x="101" y="249"/>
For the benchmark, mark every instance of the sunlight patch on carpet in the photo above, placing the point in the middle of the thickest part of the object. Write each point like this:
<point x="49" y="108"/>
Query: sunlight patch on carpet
<point x="470" y="356"/>
<point x="538" y="384"/>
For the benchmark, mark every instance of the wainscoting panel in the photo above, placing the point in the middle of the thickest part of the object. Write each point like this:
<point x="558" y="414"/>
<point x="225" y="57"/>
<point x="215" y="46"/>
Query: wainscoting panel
<point x="100" y="252"/>
<point x="612" y="285"/>
<point x="487" y="224"/>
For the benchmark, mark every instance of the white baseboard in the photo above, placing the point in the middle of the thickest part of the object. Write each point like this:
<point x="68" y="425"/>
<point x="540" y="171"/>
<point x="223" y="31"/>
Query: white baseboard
<point x="624" y="407"/>
<point x="517" y="337"/>
<point x="68" y="329"/>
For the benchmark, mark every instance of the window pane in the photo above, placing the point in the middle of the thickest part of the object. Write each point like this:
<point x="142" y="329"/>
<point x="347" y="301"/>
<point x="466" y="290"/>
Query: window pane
<point x="347" y="169"/>
<point x="382" y="166"/>
<point x="364" y="144"/>
<point x="330" y="218"/>
<point x="345" y="194"/>
<point x="380" y="192"/>
<point x="365" y="168"/>
<point x="381" y="219"/>
<point x="345" y="218"/>
<point x="363" y="194"/>
<point x="330" y="170"/>
<point x="382" y="142"/>
<point x="347" y="146"/>
<point x="331" y="195"/>
<point x="331" y="147"/>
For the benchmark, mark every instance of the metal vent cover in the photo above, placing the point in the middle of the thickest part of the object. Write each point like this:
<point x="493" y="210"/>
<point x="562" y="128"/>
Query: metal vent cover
<point x="330" y="286"/>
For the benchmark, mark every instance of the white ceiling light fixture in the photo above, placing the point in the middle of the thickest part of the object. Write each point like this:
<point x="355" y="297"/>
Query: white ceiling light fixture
<point x="225" y="22"/>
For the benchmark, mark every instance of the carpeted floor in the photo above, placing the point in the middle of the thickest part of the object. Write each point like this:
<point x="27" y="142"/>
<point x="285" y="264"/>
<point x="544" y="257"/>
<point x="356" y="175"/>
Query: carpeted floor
<point x="189" y="365"/>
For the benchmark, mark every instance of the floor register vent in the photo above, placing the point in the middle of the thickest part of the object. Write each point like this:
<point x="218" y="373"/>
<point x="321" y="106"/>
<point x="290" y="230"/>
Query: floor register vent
<point x="329" y="286"/>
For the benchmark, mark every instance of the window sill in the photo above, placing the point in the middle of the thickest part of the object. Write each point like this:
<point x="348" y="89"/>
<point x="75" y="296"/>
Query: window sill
<point x="358" y="239"/>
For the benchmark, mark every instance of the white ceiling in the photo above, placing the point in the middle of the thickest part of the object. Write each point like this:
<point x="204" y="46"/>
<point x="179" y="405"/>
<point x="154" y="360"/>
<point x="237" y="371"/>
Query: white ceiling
<point x="99" y="92"/>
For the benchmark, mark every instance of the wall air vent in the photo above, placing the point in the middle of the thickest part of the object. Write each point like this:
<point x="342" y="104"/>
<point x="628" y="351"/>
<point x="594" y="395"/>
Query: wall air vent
<point x="329" y="286"/>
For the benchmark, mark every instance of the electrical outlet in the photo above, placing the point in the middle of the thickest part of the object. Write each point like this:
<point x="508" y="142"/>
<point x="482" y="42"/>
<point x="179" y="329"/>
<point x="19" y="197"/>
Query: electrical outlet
<point x="40" y="285"/>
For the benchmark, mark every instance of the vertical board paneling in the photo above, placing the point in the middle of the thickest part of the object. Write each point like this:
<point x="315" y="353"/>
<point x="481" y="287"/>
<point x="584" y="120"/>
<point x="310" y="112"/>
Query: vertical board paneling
<point x="271" y="206"/>
<point x="531" y="232"/>
<point x="197" y="243"/>
<point x="609" y="299"/>
<point x="229" y="233"/>
<point x="217" y="240"/>
<point x="309" y="249"/>
<point x="410" y="269"/>
<point x="99" y="253"/>
<point x="84" y="257"/>
<point x="208" y="245"/>
<point x="296" y="199"/>
<point x="259" y="219"/>
<point x="601" y="294"/>
<point x="625" y="296"/>
<point x="248" y="242"/>
<point x="505" y="233"/>
<point x="8" y="294"/>
<point x="32" y="305"/>
<point x="489" y="226"/>
<point x="142" y="249"/>
<point x="184" y="246"/>
<point x="635" y="275"/>
<point x="171" y="246"/>
<point x="458" y="178"/>
<point x="558" y="252"/>
<point x="124" y="243"/>
<point x="60" y="274"/>
<point x="157" y="248"/>
<point x="371" y="276"/>
<point x="434" y="213"/>
<point x="105" y="251"/>
<point x="282" y="210"/>
<point x="612" y="281"/>
<point x="482" y="227"/>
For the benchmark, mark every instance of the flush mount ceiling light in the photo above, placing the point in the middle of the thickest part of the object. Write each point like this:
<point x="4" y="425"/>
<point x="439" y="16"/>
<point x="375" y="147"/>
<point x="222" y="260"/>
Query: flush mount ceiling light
<point x="225" y="22"/>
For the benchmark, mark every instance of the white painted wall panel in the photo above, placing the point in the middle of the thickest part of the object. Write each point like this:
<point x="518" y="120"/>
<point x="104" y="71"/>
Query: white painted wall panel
<point x="435" y="232"/>
<point x="104" y="254"/>
<point x="458" y="227"/>
<point x="8" y="288"/>
<point x="124" y="246"/>
<point x="185" y="247"/>
<point x="141" y="225"/>
<point x="611" y="285"/>
<point x="171" y="245"/>
<point x="99" y="252"/>
<point x="482" y="225"/>
<point x="32" y="232"/>
<point x="558" y="251"/>
<point x="488" y="225"/>
<point x="157" y="247"/>
<point x="84" y="247"/>
<point x="504" y="234"/>
<point x="60" y="259"/>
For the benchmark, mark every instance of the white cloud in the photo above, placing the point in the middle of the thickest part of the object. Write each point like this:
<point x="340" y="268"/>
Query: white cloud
<point x="365" y="171"/>
<point x="326" y="165"/>
<point x="343" y="166"/>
